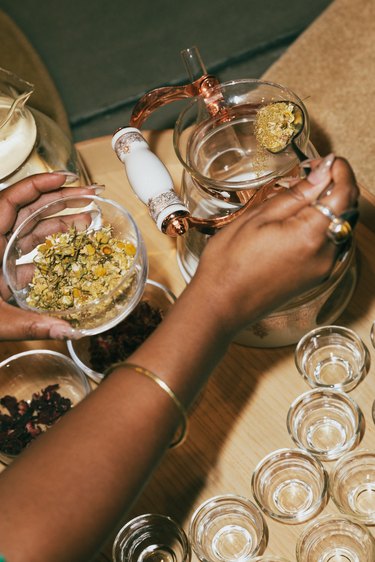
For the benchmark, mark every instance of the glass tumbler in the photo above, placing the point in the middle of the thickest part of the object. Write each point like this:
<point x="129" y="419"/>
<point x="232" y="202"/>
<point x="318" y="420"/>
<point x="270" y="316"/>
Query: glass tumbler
<point x="332" y="357"/>
<point x="335" y="539"/>
<point x="228" y="528"/>
<point x="290" y="485"/>
<point x="352" y="485"/>
<point x="326" y="423"/>
<point x="151" y="538"/>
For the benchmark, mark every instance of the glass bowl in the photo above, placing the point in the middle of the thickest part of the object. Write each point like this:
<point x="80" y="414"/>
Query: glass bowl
<point x="94" y="259"/>
<point x="326" y="423"/>
<point x="226" y="528"/>
<point x="94" y="354"/>
<point x="332" y="357"/>
<point x="290" y="485"/>
<point x="352" y="485"/>
<point x="30" y="372"/>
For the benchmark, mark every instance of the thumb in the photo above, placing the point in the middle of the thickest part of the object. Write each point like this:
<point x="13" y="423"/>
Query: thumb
<point x="18" y="324"/>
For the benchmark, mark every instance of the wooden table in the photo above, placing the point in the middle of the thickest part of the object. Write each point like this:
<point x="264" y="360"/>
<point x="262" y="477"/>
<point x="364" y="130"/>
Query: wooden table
<point x="241" y="415"/>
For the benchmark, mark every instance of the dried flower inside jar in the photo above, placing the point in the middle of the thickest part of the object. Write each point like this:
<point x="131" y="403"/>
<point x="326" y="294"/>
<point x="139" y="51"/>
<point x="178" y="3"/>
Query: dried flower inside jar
<point x="75" y="268"/>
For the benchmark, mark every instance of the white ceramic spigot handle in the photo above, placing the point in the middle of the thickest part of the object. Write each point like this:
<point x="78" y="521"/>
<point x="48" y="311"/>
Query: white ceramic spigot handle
<point x="147" y="175"/>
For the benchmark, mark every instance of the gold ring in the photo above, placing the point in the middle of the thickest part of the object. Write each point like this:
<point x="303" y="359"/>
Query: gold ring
<point x="339" y="229"/>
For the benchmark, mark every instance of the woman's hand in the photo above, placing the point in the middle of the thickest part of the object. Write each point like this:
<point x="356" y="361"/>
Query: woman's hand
<point x="17" y="203"/>
<point x="278" y="249"/>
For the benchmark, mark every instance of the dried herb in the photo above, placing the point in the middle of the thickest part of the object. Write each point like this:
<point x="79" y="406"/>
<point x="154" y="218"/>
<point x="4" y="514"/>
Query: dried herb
<point x="120" y="341"/>
<point x="24" y="421"/>
<point x="75" y="268"/>
<point x="274" y="125"/>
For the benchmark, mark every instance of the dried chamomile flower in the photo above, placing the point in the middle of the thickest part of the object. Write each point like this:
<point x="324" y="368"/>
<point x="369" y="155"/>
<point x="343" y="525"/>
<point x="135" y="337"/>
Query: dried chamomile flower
<point x="75" y="268"/>
<point x="276" y="125"/>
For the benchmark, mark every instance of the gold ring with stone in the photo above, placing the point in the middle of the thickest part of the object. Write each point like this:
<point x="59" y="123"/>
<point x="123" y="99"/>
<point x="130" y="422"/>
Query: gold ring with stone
<point x="339" y="229"/>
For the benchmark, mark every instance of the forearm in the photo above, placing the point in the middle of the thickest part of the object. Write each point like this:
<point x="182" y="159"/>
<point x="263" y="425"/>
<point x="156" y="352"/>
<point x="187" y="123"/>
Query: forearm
<point x="107" y="447"/>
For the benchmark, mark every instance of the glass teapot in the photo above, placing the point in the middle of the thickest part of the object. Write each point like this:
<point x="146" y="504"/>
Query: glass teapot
<point x="30" y="142"/>
<point x="224" y="172"/>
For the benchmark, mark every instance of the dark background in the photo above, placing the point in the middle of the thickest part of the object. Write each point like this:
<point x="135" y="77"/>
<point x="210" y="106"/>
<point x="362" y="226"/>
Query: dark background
<point x="104" y="54"/>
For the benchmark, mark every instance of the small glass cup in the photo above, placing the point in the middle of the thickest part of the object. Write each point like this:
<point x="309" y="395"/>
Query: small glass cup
<point x="228" y="528"/>
<point x="332" y="357"/>
<point x="151" y="538"/>
<point x="326" y="423"/>
<point x="290" y="485"/>
<point x="352" y="485"/>
<point x="335" y="539"/>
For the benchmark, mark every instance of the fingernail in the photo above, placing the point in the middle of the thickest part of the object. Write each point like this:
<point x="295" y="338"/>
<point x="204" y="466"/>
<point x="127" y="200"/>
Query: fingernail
<point x="95" y="187"/>
<point x="321" y="172"/>
<point x="287" y="182"/>
<point x="61" y="332"/>
<point x="306" y="163"/>
<point x="70" y="176"/>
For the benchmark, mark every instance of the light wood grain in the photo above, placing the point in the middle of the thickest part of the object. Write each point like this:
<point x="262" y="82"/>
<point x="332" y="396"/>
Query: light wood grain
<point x="240" y="417"/>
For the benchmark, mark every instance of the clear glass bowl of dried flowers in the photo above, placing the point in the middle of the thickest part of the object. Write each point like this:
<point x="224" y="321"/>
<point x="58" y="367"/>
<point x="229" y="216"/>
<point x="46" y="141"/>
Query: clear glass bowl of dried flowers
<point x="94" y="354"/>
<point x="37" y="387"/>
<point x="81" y="258"/>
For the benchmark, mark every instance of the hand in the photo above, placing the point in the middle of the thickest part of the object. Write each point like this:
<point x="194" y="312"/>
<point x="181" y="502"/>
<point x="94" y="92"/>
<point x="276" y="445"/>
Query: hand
<point x="278" y="249"/>
<point x="18" y="202"/>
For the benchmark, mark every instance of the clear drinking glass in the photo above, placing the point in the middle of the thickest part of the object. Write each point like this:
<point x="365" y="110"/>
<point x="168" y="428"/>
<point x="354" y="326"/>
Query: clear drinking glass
<point x="227" y="528"/>
<point x="326" y="423"/>
<point x="352" y="485"/>
<point x="290" y="485"/>
<point x="335" y="539"/>
<point x="332" y="357"/>
<point x="151" y="538"/>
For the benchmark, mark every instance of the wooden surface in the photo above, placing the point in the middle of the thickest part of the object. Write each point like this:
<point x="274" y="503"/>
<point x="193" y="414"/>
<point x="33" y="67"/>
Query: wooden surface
<point x="241" y="415"/>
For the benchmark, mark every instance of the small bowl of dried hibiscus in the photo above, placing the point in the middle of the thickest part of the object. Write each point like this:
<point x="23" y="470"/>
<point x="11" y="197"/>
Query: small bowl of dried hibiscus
<point x="37" y="388"/>
<point x="79" y="258"/>
<point x="95" y="354"/>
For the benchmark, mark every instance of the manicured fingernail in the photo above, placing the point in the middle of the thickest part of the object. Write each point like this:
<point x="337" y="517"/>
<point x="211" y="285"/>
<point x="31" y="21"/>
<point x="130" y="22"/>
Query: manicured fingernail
<point x="321" y="172"/>
<point x="61" y="332"/>
<point x="306" y="163"/>
<point x="287" y="182"/>
<point x="96" y="188"/>
<point x="70" y="176"/>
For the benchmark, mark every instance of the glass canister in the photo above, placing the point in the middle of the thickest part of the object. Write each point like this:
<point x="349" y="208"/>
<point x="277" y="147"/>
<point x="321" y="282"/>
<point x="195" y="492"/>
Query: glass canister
<point x="30" y="142"/>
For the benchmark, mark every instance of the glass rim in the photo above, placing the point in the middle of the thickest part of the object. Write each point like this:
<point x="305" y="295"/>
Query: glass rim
<point x="135" y="524"/>
<point x="340" y="465"/>
<point x="328" y="519"/>
<point x="326" y="332"/>
<point x="140" y="251"/>
<point x="222" y="184"/>
<point x="343" y="397"/>
<point x="216" y="501"/>
<point x="314" y="462"/>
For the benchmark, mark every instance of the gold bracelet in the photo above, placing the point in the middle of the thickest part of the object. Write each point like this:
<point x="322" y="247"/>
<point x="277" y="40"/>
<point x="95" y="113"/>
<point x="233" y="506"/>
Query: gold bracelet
<point x="163" y="385"/>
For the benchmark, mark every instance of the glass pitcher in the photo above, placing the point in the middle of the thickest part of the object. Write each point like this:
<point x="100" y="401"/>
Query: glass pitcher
<point x="224" y="172"/>
<point x="30" y="142"/>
